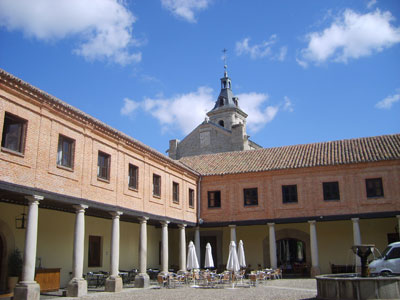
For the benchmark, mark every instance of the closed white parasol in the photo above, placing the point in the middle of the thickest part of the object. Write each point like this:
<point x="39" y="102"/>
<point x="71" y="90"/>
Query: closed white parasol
<point x="241" y="257"/>
<point x="208" y="261"/>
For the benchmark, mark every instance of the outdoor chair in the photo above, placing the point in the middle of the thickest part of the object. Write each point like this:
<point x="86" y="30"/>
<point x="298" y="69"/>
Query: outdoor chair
<point x="91" y="279"/>
<point x="240" y="275"/>
<point x="225" y="278"/>
<point x="277" y="274"/>
<point x="162" y="280"/>
<point x="253" y="279"/>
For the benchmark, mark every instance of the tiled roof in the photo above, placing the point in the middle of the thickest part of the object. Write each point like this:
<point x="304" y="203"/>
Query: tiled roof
<point x="360" y="150"/>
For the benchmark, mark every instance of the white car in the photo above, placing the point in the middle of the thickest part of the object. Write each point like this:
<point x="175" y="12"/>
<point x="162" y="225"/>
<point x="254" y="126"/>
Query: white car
<point x="389" y="262"/>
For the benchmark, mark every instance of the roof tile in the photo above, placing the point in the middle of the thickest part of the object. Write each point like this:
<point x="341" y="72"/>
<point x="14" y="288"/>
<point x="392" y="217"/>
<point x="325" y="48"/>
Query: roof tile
<point x="360" y="150"/>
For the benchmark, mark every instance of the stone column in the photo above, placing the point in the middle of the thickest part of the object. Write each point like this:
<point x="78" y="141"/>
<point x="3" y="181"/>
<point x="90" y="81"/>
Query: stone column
<point x="182" y="248"/>
<point x="114" y="281"/>
<point x="233" y="233"/>
<point x="142" y="280"/>
<point x="356" y="241"/>
<point x="272" y="246"/>
<point x="27" y="288"/>
<point x="164" y="247"/>
<point x="77" y="287"/>
<point x="197" y="243"/>
<point x="314" y="250"/>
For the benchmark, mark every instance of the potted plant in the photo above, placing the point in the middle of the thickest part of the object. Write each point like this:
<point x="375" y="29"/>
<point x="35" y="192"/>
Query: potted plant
<point x="14" y="268"/>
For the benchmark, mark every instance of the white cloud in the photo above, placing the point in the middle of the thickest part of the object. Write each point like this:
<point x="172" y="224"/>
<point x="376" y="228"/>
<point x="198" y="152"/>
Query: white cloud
<point x="282" y="53"/>
<point x="185" y="9"/>
<point x="388" y="102"/>
<point x="371" y="3"/>
<point x="351" y="36"/>
<point x="129" y="107"/>
<point x="259" y="113"/>
<point x="256" y="51"/>
<point x="287" y="104"/>
<point x="104" y="27"/>
<point x="264" y="49"/>
<point x="186" y="111"/>
<point x="182" y="112"/>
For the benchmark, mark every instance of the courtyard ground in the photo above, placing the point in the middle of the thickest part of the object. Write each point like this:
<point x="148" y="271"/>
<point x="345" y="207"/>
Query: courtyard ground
<point x="281" y="289"/>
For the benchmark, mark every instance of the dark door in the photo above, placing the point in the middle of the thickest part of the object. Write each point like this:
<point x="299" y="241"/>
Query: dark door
<point x="213" y="242"/>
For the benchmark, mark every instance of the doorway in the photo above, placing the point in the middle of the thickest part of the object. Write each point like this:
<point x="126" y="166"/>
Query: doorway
<point x="291" y="255"/>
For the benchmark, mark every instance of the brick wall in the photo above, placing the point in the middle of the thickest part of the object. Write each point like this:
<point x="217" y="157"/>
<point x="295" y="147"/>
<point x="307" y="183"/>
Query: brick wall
<point x="311" y="203"/>
<point x="37" y="166"/>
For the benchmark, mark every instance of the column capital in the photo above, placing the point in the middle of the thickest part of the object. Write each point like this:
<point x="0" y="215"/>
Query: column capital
<point x="312" y="222"/>
<point x="271" y="224"/>
<point x="164" y="223"/>
<point x="143" y="220"/>
<point x="34" y="198"/>
<point x="80" y="207"/>
<point x="355" y="220"/>
<point x="182" y="226"/>
<point x="115" y="214"/>
<point x="232" y="226"/>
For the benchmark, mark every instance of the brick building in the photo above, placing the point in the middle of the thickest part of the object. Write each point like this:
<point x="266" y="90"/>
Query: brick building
<point x="99" y="200"/>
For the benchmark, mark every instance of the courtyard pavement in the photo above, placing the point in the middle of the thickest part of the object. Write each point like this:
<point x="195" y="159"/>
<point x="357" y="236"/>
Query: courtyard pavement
<point x="280" y="289"/>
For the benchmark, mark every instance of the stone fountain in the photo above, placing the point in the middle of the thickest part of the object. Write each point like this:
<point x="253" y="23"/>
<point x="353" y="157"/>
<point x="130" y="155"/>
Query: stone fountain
<point x="358" y="286"/>
<point x="363" y="251"/>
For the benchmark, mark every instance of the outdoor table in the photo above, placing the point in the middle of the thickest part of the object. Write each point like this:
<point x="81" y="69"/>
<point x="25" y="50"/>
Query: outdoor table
<point x="124" y="275"/>
<point x="99" y="278"/>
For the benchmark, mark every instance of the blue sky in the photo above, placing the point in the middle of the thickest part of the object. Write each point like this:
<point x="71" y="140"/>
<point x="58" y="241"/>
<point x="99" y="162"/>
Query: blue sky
<point x="304" y="71"/>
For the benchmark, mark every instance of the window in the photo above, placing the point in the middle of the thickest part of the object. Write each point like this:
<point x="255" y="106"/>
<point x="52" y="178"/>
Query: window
<point x="65" y="153"/>
<point x="331" y="190"/>
<point x="395" y="253"/>
<point x="289" y="193"/>
<point x="221" y="123"/>
<point x="191" y="198"/>
<point x="14" y="132"/>
<point x="250" y="197"/>
<point x="214" y="199"/>
<point x="156" y="185"/>
<point x="374" y="187"/>
<point x="94" y="257"/>
<point x="133" y="177"/>
<point x="103" y="166"/>
<point x="175" y="192"/>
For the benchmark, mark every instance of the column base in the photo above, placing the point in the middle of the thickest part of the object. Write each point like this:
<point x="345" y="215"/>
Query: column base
<point x="142" y="280"/>
<point x="77" y="287"/>
<point x="315" y="271"/>
<point x="113" y="284"/>
<point x="27" y="290"/>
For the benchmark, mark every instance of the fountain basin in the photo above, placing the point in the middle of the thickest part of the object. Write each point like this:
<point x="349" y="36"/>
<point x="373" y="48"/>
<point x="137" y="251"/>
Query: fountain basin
<point x="351" y="286"/>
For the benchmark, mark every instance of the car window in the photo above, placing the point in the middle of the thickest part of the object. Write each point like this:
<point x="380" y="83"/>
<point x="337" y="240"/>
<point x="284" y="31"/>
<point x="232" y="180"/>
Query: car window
<point x="386" y="251"/>
<point x="395" y="253"/>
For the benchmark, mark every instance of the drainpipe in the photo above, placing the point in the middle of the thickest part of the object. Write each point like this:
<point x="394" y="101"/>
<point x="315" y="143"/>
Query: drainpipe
<point x="199" y="201"/>
<point x="199" y="221"/>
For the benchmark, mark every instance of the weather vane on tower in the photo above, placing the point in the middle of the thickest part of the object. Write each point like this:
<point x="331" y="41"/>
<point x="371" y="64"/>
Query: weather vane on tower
<point x="225" y="66"/>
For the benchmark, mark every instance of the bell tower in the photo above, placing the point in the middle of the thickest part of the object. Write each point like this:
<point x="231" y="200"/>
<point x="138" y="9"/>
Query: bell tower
<point x="226" y="112"/>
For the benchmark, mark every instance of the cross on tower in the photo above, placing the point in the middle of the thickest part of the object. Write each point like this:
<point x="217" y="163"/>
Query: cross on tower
<point x="225" y="66"/>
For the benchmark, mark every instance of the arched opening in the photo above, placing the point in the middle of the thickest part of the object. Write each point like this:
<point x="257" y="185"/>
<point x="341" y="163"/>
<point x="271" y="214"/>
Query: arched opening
<point x="221" y="123"/>
<point x="221" y="101"/>
<point x="292" y="251"/>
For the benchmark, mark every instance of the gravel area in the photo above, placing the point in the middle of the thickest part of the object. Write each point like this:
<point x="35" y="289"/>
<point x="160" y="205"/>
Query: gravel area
<point x="285" y="289"/>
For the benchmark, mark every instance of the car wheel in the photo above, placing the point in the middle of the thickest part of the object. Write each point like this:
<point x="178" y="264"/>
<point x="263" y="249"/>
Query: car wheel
<point x="386" y="273"/>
